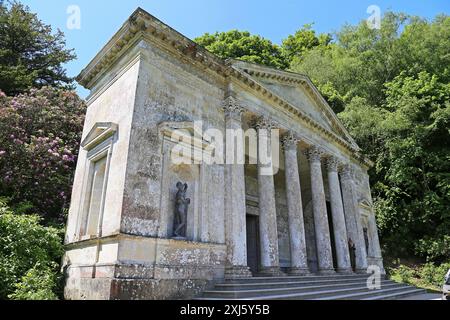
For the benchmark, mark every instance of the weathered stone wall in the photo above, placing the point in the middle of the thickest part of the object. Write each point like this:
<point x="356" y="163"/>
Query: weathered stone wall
<point x="168" y="90"/>
<point x="158" y="83"/>
<point x="113" y="103"/>
<point x="181" y="267"/>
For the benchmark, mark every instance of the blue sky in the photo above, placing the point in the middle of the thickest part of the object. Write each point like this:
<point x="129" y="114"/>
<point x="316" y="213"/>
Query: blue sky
<point x="274" y="20"/>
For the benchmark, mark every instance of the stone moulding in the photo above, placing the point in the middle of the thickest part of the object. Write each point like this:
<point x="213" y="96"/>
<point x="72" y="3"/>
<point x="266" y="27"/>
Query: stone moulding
<point x="197" y="144"/>
<point x="99" y="133"/>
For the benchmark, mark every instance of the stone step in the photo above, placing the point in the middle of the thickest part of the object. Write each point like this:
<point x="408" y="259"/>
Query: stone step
<point x="295" y="292"/>
<point x="313" y="286"/>
<point x="411" y="291"/>
<point x="295" y="283"/>
<point x="297" y="278"/>
<point x="400" y="291"/>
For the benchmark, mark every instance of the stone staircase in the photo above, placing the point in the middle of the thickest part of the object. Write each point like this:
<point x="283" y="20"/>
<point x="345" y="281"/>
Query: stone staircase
<point x="316" y="287"/>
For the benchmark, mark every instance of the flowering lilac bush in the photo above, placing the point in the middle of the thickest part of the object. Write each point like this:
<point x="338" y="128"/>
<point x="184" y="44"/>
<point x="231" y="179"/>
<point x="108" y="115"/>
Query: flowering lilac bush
<point x="40" y="132"/>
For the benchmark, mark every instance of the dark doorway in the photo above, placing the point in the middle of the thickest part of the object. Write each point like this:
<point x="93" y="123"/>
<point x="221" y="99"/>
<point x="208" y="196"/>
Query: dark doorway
<point x="253" y="243"/>
<point x="333" y="243"/>
<point x="366" y="239"/>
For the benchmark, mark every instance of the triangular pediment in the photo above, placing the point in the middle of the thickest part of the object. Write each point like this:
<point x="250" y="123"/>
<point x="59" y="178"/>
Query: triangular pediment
<point x="99" y="133"/>
<point x="299" y="91"/>
<point x="298" y="97"/>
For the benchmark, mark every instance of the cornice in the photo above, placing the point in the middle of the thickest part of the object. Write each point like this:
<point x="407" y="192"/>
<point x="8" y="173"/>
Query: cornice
<point x="141" y="25"/>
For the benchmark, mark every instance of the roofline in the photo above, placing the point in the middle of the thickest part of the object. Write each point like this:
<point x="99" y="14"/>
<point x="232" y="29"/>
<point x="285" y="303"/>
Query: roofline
<point x="141" y="23"/>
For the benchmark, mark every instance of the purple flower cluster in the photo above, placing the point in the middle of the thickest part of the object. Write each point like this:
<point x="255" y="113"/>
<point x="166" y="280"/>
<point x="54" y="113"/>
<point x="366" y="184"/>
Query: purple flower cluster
<point x="39" y="137"/>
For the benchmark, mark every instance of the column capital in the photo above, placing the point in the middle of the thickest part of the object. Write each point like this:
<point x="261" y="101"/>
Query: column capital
<point x="232" y="108"/>
<point x="346" y="172"/>
<point x="332" y="164"/>
<point x="314" y="153"/>
<point x="263" y="122"/>
<point x="289" y="140"/>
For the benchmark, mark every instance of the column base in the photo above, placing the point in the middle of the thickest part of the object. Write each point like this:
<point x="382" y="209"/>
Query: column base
<point x="296" y="271"/>
<point x="361" y="271"/>
<point x="271" y="272"/>
<point x="345" y="271"/>
<point x="236" y="272"/>
<point x="327" y="271"/>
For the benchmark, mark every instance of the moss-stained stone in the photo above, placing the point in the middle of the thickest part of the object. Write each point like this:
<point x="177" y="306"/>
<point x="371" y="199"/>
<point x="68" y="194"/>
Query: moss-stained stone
<point x="147" y="82"/>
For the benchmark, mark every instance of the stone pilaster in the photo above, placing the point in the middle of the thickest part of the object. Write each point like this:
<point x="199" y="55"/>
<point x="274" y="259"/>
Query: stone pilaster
<point x="353" y="219"/>
<point x="321" y="228"/>
<point x="235" y="206"/>
<point x="375" y="241"/>
<point x="270" y="264"/>
<point x="337" y="212"/>
<point x="299" y="262"/>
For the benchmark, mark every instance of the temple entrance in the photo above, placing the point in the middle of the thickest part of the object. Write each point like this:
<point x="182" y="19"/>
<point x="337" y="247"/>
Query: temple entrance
<point x="333" y="242"/>
<point x="252" y="243"/>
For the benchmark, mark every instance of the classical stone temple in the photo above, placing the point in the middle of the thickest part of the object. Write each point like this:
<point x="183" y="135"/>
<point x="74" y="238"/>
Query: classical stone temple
<point x="314" y="215"/>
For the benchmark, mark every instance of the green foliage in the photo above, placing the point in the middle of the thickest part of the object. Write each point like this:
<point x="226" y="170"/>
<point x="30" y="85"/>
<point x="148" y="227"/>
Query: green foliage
<point x="242" y="45"/>
<point x="305" y="39"/>
<point x="30" y="54"/>
<point x="39" y="283"/>
<point x="428" y="276"/>
<point x="402" y="274"/>
<point x="434" y="275"/>
<point x="40" y="132"/>
<point x="28" y="250"/>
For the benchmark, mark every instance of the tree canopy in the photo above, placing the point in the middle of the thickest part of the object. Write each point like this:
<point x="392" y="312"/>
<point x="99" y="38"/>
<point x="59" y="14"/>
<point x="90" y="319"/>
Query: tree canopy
<point x="304" y="39"/>
<point x="243" y="46"/>
<point x="31" y="55"/>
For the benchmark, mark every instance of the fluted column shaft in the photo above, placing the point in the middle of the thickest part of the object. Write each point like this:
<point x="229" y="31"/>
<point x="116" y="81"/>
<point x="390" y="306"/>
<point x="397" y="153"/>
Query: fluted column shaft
<point x="353" y="219"/>
<point x="337" y="212"/>
<point x="321" y="228"/>
<point x="235" y="205"/>
<point x="299" y="261"/>
<point x="267" y="210"/>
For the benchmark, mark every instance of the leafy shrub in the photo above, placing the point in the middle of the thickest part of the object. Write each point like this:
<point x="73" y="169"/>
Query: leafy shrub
<point x="27" y="249"/>
<point x="428" y="276"/>
<point x="403" y="274"/>
<point x="432" y="274"/>
<point x="39" y="283"/>
<point x="40" y="134"/>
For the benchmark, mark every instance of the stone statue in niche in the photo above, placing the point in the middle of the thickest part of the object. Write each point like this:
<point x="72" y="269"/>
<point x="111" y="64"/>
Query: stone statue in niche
<point x="181" y="208"/>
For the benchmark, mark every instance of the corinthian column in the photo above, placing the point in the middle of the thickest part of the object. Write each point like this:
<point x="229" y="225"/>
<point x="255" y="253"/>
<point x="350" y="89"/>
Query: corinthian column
<point x="270" y="264"/>
<point x="337" y="212"/>
<point x="299" y="262"/>
<point x="321" y="228"/>
<point x="235" y="207"/>
<point x="353" y="219"/>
